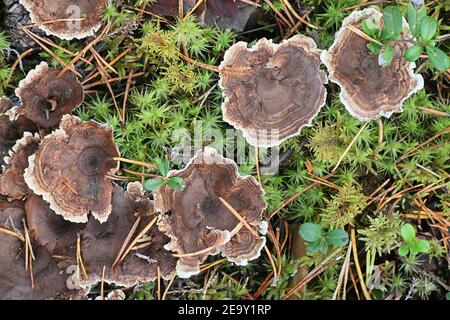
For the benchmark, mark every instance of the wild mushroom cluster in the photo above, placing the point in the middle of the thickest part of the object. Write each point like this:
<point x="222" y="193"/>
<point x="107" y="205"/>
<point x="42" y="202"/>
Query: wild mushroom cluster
<point x="66" y="226"/>
<point x="272" y="91"/>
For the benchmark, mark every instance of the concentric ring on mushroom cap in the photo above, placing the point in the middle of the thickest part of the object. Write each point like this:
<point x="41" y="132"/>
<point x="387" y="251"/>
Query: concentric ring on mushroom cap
<point x="101" y="243"/>
<point x="272" y="90"/>
<point x="368" y="90"/>
<point x="69" y="13"/>
<point x="70" y="170"/>
<point x="46" y="97"/>
<point x="12" y="183"/>
<point x="195" y="219"/>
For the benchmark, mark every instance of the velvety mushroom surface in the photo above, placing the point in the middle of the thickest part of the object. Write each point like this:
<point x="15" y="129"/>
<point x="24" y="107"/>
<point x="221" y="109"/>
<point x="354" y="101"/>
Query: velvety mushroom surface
<point x="197" y="221"/>
<point x="101" y="244"/>
<point x="15" y="281"/>
<point x="12" y="183"/>
<point x="369" y="90"/>
<point x="46" y="97"/>
<point x="70" y="170"/>
<point x="67" y="19"/>
<point x="271" y="91"/>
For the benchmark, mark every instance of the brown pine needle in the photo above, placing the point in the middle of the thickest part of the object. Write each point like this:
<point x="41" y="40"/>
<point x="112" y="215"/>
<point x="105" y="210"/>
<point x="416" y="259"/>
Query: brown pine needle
<point x="298" y="16"/>
<point x="12" y="233"/>
<point x="138" y="237"/>
<point x="199" y="2"/>
<point x="198" y="64"/>
<point x="349" y="146"/>
<point x="80" y="263"/>
<point x="102" y="284"/>
<point x="358" y="268"/>
<point x="169" y="285"/>
<point x="239" y="217"/>
<point x="207" y="266"/>
<point x="278" y="13"/>
<point x="127" y="240"/>
<point x="125" y="98"/>
<point x="251" y="3"/>
<point x="15" y="64"/>
<point x="103" y="61"/>
<point x="159" y="275"/>
<point x="193" y="254"/>
<point x="139" y="163"/>
<point x="362" y="34"/>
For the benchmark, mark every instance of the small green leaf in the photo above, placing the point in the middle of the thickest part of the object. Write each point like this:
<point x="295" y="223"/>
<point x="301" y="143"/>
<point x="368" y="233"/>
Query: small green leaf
<point x="176" y="183"/>
<point x="163" y="167"/>
<point x="337" y="238"/>
<point x="153" y="184"/>
<point x="386" y="55"/>
<point x="411" y="14"/>
<point x="413" y="53"/>
<point x="313" y="247"/>
<point x="421" y="246"/>
<point x="403" y="250"/>
<point x="428" y="28"/>
<point x="323" y="246"/>
<point x="438" y="58"/>
<point x="447" y="296"/>
<point x="369" y="27"/>
<point x="392" y="21"/>
<point x="311" y="232"/>
<point x="408" y="232"/>
<point x="375" y="48"/>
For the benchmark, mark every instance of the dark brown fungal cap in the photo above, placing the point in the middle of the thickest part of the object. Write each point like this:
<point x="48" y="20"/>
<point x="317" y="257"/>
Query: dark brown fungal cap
<point x="70" y="170"/>
<point x="101" y="243"/>
<point x="15" y="284"/>
<point x="46" y="98"/>
<point x="10" y="132"/>
<point x="68" y="13"/>
<point x="49" y="229"/>
<point x="369" y="90"/>
<point x="271" y="91"/>
<point x="12" y="183"/>
<point x="5" y="105"/>
<point x="196" y="219"/>
<point x="170" y="7"/>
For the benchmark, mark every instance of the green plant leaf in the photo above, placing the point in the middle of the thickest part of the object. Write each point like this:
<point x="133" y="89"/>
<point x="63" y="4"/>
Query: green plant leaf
<point x="408" y="233"/>
<point x="176" y="183"/>
<point x="387" y="54"/>
<point x="163" y="167"/>
<point x="323" y="246"/>
<point x="411" y="17"/>
<point x="311" y="232"/>
<point x="369" y="27"/>
<point x="392" y="21"/>
<point x="447" y="296"/>
<point x="337" y="238"/>
<point x="438" y="58"/>
<point x="428" y="27"/>
<point x="153" y="184"/>
<point x="313" y="247"/>
<point x="420" y="246"/>
<point x="375" y="48"/>
<point x="413" y="53"/>
<point x="403" y="250"/>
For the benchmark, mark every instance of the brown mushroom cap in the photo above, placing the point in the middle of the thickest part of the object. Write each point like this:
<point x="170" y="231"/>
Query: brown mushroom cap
<point x="369" y="90"/>
<point x="170" y="7"/>
<point x="70" y="168"/>
<point x="101" y="243"/>
<point x="271" y="91"/>
<point x="12" y="183"/>
<point x="44" y="11"/>
<point x="15" y="284"/>
<point x="10" y="132"/>
<point x="195" y="219"/>
<point x="48" y="229"/>
<point x="46" y="96"/>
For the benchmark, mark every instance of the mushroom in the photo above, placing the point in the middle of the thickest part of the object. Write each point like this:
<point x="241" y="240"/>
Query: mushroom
<point x="368" y="90"/>
<point x="66" y="19"/>
<point x="101" y="244"/>
<point x="15" y="284"/>
<point x="48" y="229"/>
<point x="46" y="96"/>
<point x="170" y="7"/>
<point x="10" y="131"/>
<point x="198" y="222"/>
<point x="12" y="183"/>
<point x="70" y="170"/>
<point x="271" y="91"/>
